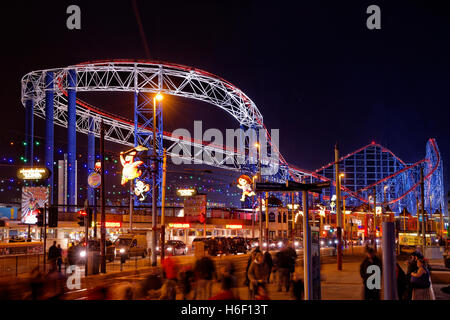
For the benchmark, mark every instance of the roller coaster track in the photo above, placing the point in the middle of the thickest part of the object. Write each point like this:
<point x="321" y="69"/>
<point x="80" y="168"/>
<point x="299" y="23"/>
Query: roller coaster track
<point x="177" y="80"/>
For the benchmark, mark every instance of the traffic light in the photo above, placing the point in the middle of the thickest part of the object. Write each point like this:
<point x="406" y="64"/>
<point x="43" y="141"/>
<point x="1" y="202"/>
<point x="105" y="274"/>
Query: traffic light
<point x="40" y="217"/>
<point x="53" y="217"/>
<point x="81" y="215"/>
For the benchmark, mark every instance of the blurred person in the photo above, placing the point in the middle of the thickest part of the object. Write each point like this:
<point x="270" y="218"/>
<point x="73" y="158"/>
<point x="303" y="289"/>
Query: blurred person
<point x="229" y="270"/>
<point x="53" y="252"/>
<point x="170" y="274"/>
<point x="371" y="259"/>
<point x="205" y="272"/>
<point x="256" y="273"/>
<point x="268" y="264"/>
<point x="226" y="293"/>
<point x="292" y="257"/>
<point x="36" y="284"/>
<point x="71" y="254"/>
<point x="151" y="286"/>
<point x="298" y="287"/>
<point x="100" y="292"/>
<point x="421" y="282"/>
<point x="283" y="266"/>
<point x="249" y="262"/>
<point x="59" y="257"/>
<point x="261" y="292"/>
<point x="54" y="282"/>
<point x="187" y="281"/>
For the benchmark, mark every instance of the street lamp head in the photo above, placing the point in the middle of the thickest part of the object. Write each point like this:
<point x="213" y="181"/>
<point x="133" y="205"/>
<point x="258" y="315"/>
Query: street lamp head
<point x="342" y="175"/>
<point x="257" y="144"/>
<point x="159" y="97"/>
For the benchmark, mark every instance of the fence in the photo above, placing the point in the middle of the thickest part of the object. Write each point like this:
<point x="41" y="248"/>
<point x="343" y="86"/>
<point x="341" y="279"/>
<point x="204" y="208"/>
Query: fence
<point x="20" y="264"/>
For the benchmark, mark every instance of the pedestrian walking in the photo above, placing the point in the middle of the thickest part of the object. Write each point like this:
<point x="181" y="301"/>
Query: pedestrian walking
<point x="59" y="258"/>
<point x="53" y="253"/>
<point x="283" y="267"/>
<point x="371" y="260"/>
<point x="205" y="272"/>
<point x="421" y="282"/>
<point x="256" y="273"/>
<point x="268" y="264"/>
<point x="227" y="292"/>
<point x="412" y="267"/>
<point x="261" y="292"/>
<point x="170" y="274"/>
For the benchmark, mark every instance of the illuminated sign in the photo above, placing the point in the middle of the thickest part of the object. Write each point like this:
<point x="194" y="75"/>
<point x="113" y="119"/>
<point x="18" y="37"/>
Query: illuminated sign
<point x="244" y="183"/>
<point x="140" y="189"/>
<point x="233" y="226"/>
<point x="33" y="198"/>
<point x="186" y="192"/>
<point x="94" y="180"/>
<point x="130" y="169"/>
<point x="33" y="173"/>
<point x="179" y="225"/>
<point x="113" y="224"/>
<point x="379" y="210"/>
<point x="296" y="206"/>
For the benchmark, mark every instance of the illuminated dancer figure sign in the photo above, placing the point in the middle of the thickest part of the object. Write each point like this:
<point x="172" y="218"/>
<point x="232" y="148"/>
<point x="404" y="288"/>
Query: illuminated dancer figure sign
<point x="245" y="184"/>
<point x="130" y="169"/>
<point x="140" y="189"/>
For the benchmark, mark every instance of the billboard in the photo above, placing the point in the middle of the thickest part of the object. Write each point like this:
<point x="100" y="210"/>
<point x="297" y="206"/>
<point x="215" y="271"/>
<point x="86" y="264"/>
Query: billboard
<point x="32" y="199"/>
<point x="195" y="208"/>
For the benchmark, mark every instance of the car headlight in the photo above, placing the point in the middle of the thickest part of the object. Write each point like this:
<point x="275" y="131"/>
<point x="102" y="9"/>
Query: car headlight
<point x="122" y="250"/>
<point x="83" y="253"/>
<point x="264" y="244"/>
<point x="169" y="249"/>
<point x="280" y="244"/>
<point x="322" y="243"/>
<point x="335" y="241"/>
<point x="296" y="243"/>
<point x="157" y="248"/>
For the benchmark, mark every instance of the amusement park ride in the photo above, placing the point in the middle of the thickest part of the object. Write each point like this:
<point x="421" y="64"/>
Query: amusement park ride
<point x="52" y="95"/>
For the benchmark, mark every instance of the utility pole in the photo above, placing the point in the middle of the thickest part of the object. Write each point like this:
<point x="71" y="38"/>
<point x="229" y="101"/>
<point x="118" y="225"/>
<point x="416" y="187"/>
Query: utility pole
<point x="338" y="207"/>
<point x="102" y="203"/>
<point x="422" y="208"/>
<point x="293" y="218"/>
<point x="154" y="202"/>
<point x="45" y="236"/>
<point x="307" y="258"/>
<point x="163" y="204"/>
<point x="131" y="206"/>
<point x="267" y="219"/>
<point x="375" y="218"/>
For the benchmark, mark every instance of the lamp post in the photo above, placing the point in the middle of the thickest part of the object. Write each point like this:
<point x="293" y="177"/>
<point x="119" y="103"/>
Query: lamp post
<point x="338" y="208"/>
<point x="158" y="97"/>
<point x="163" y="210"/>
<point x="258" y="146"/>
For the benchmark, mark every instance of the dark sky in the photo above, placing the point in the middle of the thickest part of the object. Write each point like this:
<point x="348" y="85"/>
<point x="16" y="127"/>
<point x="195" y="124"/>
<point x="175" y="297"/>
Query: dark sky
<point x="312" y="67"/>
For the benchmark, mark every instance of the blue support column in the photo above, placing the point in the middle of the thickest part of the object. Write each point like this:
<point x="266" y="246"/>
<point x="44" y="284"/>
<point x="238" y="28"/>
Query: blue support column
<point x="91" y="159"/>
<point x="29" y="126"/>
<point x="49" y="132"/>
<point x="72" y="138"/>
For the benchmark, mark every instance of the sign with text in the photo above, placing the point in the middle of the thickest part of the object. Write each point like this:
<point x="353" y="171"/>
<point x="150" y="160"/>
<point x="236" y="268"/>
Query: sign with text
<point x="33" y="173"/>
<point x="195" y="208"/>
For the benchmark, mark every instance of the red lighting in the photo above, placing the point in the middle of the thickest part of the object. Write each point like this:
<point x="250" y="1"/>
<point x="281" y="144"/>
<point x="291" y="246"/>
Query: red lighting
<point x="82" y="213"/>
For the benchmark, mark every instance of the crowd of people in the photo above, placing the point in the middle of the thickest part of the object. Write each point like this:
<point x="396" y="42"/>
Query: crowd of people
<point x="415" y="284"/>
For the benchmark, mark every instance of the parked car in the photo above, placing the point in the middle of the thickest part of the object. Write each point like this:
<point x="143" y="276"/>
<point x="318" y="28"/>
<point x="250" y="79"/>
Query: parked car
<point x="238" y="245"/>
<point x="175" y="247"/>
<point x="94" y="246"/>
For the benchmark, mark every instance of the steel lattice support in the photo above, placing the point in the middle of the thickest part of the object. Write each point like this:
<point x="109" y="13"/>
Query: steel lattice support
<point x="143" y="114"/>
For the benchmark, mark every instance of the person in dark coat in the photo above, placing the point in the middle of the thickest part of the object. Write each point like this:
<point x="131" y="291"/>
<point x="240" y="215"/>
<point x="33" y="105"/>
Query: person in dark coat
<point x="412" y="267"/>
<point x="59" y="258"/>
<point x="401" y="282"/>
<point x="268" y="264"/>
<point x="53" y="253"/>
<point x="371" y="259"/>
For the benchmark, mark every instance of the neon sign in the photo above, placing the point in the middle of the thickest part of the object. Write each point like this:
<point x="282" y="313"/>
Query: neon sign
<point x="113" y="224"/>
<point x="33" y="173"/>
<point x="179" y="225"/>
<point x="186" y="192"/>
<point x="233" y="226"/>
<point x="140" y="189"/>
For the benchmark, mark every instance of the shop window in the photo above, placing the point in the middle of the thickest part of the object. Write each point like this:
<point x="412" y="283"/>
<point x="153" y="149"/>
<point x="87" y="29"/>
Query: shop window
<point x="284" y="217"/>
<point x="279" y="217"/>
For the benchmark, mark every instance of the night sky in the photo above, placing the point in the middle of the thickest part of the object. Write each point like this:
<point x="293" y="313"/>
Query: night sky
<point x="313" y="68"/>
